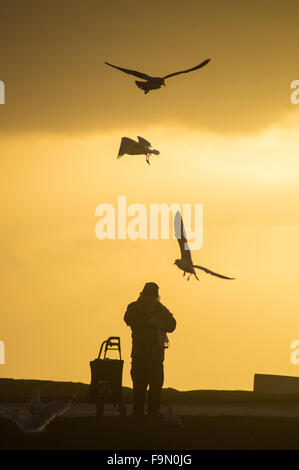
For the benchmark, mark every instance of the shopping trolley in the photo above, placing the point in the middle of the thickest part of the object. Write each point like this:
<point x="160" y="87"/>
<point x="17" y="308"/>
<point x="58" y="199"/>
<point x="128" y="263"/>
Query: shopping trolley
<point x="106" y="377"/>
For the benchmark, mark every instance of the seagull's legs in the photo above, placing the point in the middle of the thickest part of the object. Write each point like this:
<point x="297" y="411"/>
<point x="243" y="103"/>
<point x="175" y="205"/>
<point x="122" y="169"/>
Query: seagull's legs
<point x="184" y="273"/>
<point x="195" y="275"/>
<point x="189" y="277"/>
<point x="147" y="158"/>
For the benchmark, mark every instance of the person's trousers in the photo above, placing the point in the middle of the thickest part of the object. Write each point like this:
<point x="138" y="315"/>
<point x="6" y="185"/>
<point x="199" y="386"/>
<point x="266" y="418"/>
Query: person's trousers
<point x="147" y="372"/>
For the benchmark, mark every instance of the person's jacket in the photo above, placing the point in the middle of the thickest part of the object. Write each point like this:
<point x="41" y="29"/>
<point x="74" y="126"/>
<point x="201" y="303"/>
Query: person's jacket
<point x="146" y="337"/>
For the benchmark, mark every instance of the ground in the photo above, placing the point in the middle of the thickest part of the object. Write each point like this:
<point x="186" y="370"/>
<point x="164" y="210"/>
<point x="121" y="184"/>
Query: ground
<point x="124" y="432"/>
<point x="212" y="420"/>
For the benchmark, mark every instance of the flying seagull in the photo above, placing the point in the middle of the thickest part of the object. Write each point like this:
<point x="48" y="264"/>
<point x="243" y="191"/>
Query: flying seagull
<point x="186" y="263"/>
<point x="132" y="147"/>
<point x="153" y="83"/>
<point x="37" y="415"/>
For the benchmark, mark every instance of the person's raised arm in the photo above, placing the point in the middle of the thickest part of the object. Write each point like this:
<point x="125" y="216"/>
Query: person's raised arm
<point x="133" y="317"/>
<point x="167" y="321"/>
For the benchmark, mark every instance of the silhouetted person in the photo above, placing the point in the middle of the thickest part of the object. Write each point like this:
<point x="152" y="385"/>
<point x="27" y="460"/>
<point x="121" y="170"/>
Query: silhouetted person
<point x="149" y="321"/>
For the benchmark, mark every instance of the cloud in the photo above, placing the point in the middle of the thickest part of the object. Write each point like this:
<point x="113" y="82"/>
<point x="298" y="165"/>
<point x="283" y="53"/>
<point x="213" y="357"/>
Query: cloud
<point x="52" y="63"/>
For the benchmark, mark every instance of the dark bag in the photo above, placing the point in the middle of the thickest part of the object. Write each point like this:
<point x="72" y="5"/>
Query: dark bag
<point x="106" y="375"/>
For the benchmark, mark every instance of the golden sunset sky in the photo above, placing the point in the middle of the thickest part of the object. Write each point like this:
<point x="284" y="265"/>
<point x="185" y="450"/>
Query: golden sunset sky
<point x="228" y="137"/>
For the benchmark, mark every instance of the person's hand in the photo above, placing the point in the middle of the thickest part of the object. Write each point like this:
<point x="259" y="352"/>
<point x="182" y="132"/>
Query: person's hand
<point x="154" y="322"/>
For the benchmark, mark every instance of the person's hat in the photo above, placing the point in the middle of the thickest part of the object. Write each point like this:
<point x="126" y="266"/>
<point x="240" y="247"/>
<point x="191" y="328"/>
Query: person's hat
<point x="151" y="289"/>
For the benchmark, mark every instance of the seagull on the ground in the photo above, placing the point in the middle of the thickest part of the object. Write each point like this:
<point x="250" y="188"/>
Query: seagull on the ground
<point x="132" y="147"/>
<point x="171" y="419"/>
<point x="186" y="263"/>
<point x="37" y="415"/>
<point x="153" y="83"/>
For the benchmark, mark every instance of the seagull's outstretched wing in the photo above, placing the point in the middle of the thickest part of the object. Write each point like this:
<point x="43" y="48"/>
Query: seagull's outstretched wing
<point x="11" y="414"/>
<point x="48" y="412"/>
<point x="205" y="62"/>
<point x="180" y="235"/>
<point x="212" y="272"/>
<point x="29" y="422"/>
<point x="131" y="72"/>
<point x="142" y="141"/>
<point x="125" y="145"/>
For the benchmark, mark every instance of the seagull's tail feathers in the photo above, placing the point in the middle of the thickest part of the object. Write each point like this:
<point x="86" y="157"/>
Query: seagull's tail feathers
<point x="143" y="86"/>
<point x="155" y="152"/>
